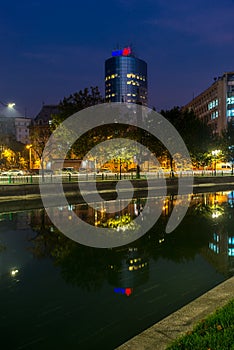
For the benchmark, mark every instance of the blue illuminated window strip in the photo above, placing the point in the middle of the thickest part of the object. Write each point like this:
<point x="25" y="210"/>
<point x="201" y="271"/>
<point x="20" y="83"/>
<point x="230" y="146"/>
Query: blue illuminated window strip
<point x="213" y="104"/>
<point x="230" y="112"/>
<point x="214" y="115"/>
<point x="231" y="252"/>
<point x="231" y="240"/>
<point x="214" y="247"/>
<point x="230" y="100"/>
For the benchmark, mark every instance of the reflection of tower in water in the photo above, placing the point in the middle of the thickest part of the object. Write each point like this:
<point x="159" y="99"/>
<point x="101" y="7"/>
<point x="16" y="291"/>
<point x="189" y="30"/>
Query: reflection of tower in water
<point x="130" y="271"/>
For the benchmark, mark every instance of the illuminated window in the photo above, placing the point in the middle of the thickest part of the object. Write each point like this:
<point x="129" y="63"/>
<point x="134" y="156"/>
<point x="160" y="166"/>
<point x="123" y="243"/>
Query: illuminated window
<point x="231" y="251"/>
<point x="214" y="115"/>
<point x="214" y="247"/>
<point x="230" y="100"/>
<point x="230" y="112"/>
<point x="213" y="104"/>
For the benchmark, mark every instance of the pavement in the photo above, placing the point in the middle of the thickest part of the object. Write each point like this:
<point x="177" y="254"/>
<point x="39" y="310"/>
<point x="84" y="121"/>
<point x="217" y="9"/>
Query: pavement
<point x="161" y="334"/>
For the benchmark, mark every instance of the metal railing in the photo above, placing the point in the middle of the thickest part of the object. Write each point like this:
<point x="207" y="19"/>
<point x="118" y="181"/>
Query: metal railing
<point x="54" y="178"/>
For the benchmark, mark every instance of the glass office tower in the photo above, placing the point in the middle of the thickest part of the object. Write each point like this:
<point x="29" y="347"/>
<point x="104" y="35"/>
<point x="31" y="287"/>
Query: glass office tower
<point x="125" y="78"/>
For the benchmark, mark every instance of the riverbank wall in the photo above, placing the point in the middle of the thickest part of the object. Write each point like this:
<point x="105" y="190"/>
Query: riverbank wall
<point x="27" y="196"/>
<point x="161" y="334"/>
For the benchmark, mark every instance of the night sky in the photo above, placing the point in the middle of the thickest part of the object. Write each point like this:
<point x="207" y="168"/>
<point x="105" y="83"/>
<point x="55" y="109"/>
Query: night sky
<point x="50" y="49"/>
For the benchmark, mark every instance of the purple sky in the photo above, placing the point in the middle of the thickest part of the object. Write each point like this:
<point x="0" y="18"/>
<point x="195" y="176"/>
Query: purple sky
<point x="50" y="49"/>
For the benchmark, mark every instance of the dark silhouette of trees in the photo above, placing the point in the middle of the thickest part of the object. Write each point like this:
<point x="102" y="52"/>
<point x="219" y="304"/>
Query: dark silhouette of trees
<point x="196" y="134"/>
<point x="76" y="102"/>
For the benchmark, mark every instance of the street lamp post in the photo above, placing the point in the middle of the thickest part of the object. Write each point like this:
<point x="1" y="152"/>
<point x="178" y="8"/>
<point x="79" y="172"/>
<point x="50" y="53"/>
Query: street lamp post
<point x="214" y="154"/>
<point x="29" y="147"/>
<point x="120" y="166"/>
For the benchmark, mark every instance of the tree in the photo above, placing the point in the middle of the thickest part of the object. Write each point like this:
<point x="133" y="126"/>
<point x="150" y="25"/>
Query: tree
<point x="76" y="102"/>
<point x="39" y="135"/>
<point x="196" y="134"/>
<point x="73" y="104"/>
<point x="226" y="142"/>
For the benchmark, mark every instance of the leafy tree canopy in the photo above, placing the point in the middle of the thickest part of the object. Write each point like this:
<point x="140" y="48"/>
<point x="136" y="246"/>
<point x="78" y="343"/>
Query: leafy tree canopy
<point x="196" y="134"/>
<point x="76" y="102"/>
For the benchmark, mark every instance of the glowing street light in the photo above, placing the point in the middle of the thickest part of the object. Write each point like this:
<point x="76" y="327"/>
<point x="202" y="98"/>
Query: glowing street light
<point x="9" y="105"/>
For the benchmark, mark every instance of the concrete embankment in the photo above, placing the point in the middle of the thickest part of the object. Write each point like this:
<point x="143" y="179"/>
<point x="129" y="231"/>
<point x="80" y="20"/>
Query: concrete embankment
<point x="26" y="196"/>
<point x="160" y="335"/>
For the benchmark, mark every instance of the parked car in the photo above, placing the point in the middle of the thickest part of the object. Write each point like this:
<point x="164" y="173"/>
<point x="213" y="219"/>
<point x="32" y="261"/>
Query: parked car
<point x="105" y="170"/>
<point x="68" y="170"/>
<point x="13" y="172"/>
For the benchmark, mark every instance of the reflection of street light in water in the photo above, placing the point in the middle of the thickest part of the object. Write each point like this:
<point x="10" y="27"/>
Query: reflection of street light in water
<point x="216" y="209"/>
<point x="14" y="272"/>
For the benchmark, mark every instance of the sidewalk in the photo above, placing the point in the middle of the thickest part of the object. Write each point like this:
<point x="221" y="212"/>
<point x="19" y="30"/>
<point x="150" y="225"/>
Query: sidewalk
<point x="160" y="335"/>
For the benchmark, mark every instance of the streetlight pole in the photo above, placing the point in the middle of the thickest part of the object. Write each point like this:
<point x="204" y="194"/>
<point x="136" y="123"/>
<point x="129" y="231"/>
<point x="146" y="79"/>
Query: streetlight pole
<point x="29" y="147"/>
<point x="215" y="153"/>
<point x="120" y="166"/>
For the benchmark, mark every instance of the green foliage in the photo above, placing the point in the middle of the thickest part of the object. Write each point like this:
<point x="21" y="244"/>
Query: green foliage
<point x="76" y="102"/>
<point x="215" y="332"/>
<point x="196" y="135"/>
<point x="226" y="142"/>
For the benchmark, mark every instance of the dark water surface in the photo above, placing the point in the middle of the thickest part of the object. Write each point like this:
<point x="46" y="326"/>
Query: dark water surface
<point x="58" y="294"/>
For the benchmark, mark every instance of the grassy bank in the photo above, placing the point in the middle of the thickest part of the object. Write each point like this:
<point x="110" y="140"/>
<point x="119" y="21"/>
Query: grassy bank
<point x="216" y="332"/>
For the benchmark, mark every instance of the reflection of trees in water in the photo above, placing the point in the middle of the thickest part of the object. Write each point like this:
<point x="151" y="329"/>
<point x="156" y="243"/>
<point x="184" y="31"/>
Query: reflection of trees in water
<point x="44" y="241"/>
<point x="2" y="247"/>
<point x="89" y="267"/>
<point x="184" y="243"/>
<point x="84" y="266"/>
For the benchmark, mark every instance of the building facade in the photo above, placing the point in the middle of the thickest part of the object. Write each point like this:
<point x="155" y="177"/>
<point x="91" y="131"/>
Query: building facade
<point x="44" y="117"/>
<point x="125" y="78"/>
<point x="22" y="126"/>
<point x="215" y="105"/>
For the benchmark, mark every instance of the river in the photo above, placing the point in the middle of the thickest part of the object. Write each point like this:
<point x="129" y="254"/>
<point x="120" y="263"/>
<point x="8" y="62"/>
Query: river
<point x="56" y="293"/>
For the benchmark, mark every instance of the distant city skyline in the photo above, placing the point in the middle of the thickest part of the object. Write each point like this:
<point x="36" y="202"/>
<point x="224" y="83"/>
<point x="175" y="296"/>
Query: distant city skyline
<point x="50" y="50"/>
